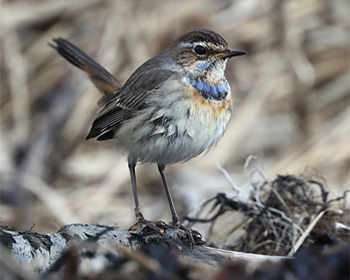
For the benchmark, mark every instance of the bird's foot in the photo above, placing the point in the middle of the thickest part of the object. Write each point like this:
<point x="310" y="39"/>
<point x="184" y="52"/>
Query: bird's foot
<point x="141" y="223"/>
<point x="194" y="236"/>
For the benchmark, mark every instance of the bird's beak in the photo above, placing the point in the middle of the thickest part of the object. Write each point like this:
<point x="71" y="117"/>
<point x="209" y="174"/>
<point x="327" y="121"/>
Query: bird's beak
<point x="228" y="53"/>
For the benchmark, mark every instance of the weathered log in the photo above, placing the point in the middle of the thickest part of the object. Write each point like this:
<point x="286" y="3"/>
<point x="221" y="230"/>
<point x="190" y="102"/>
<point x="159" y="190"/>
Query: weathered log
<point x="42" y="252"/>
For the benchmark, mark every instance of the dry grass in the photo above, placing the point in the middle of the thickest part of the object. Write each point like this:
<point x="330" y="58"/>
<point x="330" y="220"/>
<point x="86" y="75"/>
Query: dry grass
<point x="277" y="217"/>
<point x="291" y="103"/>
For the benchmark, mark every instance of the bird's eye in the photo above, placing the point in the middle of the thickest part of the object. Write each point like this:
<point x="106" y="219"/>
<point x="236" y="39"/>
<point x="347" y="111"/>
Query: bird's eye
<point x="199" y="50"/>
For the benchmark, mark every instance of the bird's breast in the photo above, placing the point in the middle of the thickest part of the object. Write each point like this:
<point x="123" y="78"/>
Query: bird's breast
<point x="211" y="91"/>
<point x="177" y="124"/>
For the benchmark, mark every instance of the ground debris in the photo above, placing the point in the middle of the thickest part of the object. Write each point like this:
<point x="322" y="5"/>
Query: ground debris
<point x="280" y="216"/>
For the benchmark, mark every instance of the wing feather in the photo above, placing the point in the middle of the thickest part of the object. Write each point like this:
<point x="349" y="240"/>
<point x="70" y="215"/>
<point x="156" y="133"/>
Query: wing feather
<point x="127" y="101"/>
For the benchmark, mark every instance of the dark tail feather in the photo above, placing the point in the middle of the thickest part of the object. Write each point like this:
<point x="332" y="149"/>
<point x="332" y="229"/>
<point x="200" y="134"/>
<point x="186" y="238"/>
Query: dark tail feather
<point x="100" y="77"/>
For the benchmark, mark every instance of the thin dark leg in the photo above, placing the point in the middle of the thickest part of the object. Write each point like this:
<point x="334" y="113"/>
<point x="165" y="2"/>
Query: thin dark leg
<point x="176" y="220"/>
<point x="167" y="190"/>
<point x="138" y="213"/>
<point x="140" y="220"/>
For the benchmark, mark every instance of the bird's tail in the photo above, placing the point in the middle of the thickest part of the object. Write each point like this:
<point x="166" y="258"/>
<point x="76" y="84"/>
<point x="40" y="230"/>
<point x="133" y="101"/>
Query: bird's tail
<point x="105" y="82"/>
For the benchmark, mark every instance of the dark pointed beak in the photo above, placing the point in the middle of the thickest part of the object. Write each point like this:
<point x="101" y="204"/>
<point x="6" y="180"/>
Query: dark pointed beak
<point x="228" y="53"/>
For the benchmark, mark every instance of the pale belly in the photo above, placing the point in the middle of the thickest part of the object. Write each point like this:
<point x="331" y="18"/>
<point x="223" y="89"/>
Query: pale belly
<point x="174" y="133"/>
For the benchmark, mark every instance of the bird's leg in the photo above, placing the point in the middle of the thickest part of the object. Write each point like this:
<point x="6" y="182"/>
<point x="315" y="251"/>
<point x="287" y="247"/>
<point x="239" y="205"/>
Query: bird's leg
<point x="175" y="217"/>
<point x="138" y="213"/>
<point x="140" y="220"/>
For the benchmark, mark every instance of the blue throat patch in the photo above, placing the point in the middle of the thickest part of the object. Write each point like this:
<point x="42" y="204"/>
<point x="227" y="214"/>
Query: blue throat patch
<point x="211" y="92"/>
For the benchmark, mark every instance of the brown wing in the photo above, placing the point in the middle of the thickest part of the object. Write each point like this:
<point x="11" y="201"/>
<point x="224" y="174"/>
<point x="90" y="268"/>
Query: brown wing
<point x="100" y="77"/>
<point x="127" y="101"/>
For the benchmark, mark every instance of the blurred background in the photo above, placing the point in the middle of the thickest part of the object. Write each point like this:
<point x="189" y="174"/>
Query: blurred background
<point x="291" y="104"/>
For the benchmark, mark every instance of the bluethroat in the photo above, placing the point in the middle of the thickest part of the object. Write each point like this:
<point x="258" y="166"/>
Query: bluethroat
<point x="172" y="108"/>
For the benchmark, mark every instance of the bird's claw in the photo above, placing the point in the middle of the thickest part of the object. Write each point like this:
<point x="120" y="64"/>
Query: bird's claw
<point x="141" y="223"/>
<point x="192" y="234"/>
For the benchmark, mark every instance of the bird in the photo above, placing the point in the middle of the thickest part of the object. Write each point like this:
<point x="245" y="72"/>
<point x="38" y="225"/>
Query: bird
<point x="174" y="107"/>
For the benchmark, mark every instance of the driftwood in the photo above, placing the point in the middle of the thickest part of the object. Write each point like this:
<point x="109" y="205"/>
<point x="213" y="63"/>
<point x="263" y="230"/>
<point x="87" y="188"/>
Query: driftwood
<point x="83" y="250"/>
<point x="44" y="252"/>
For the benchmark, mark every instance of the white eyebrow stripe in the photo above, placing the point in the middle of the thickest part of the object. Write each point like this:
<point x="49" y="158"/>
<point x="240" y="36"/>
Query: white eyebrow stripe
<point x="200" y="43"/>
<point x="192" y="44"/>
